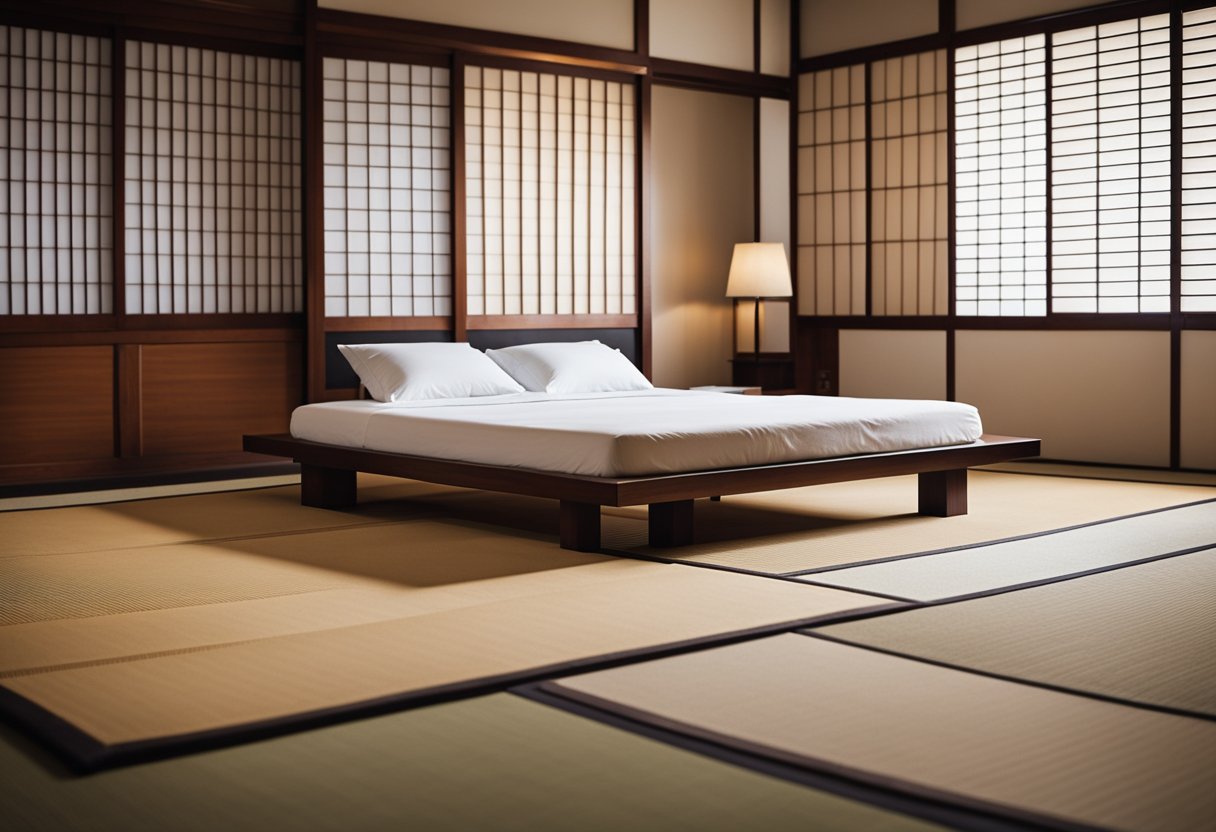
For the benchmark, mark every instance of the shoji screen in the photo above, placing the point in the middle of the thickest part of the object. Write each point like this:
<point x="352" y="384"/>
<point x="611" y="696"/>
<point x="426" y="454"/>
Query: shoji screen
<point x="212" y="182"/>
<point x="832" y="192"/>
<point x="1000" y="178"/>
<point x="1199" y="161"/>
<point x="909" y="224"/>
<point x="388" y="236"/>
<point x="55" y="170"/>
<point x="550" y="194"/>
<point x="1110" y="160"/>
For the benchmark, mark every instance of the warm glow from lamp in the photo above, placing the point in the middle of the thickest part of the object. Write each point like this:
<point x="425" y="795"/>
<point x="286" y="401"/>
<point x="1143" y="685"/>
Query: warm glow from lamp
<point x="759" y="270"/>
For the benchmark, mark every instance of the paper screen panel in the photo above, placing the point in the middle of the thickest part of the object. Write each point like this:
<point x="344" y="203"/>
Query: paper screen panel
<point x="55" y="173"/>
<point x="212" y="182"/>
<point x="388" y="191"/>
<point x="832" y="192"/>
<point x="909" y="169"/>
<point x="1110" y="163"/>
<point x="1199" y="161"/>
<point x="550" y="165"/>
<point x="1001" y="178"/>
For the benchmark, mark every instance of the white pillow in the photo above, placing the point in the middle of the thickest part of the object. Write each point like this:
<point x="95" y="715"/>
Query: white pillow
<point x="407" y="372"/>
<point x="580" y="367"/>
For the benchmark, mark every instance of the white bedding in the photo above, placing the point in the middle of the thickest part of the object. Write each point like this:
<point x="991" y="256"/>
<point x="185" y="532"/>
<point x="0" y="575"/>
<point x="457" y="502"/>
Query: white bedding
<point x="637" y="433"/>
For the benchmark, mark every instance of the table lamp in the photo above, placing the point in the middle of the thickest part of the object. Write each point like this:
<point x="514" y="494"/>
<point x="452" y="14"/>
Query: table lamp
<point x="758" y="271"/>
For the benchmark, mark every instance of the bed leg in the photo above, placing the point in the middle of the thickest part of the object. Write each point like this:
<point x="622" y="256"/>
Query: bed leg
<point x="671" y="523"/>
<point x="943" y="493"/>
<point x="322" y="487"/>
<point x="580" y="526"/>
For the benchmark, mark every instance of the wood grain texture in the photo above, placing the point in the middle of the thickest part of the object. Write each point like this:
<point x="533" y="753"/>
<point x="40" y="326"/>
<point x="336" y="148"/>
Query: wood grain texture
<point x="56" y="404"/>
<point x="128" y="382"/>
<point x="942" y="493"/>
<point x="200" y="398"/>
<point x="669" y="495"/>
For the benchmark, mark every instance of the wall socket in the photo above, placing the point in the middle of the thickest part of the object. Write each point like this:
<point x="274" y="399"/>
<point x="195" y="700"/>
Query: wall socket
<point x="823" y="382"/>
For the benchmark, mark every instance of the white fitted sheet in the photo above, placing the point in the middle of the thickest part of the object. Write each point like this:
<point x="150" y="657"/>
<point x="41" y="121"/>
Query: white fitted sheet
<point x="637" y="433"/>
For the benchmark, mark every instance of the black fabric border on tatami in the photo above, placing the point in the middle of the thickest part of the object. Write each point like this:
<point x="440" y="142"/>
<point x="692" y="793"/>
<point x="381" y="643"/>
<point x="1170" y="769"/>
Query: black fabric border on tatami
<point x="886" y="792"/>
<point x="85" y="754"/>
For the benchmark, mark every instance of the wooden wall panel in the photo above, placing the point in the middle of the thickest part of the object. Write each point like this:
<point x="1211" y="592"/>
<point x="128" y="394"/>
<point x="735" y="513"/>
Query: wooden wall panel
<point x="56" y="404"/>
<point x="201" y="398"/>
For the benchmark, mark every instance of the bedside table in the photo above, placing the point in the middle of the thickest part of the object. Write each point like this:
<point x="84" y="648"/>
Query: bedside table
<point x="717" y="388"/>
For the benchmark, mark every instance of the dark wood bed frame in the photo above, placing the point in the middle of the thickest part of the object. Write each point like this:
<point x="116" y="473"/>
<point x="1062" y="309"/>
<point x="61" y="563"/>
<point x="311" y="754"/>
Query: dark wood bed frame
<point x="328" y="481"/>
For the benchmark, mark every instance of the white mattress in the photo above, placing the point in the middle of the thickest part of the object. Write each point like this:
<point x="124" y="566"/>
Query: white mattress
<point x="637" y="433"/>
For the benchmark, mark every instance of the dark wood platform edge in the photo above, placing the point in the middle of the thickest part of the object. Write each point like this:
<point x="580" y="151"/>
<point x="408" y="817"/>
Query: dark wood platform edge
<point x="328" y="481"/>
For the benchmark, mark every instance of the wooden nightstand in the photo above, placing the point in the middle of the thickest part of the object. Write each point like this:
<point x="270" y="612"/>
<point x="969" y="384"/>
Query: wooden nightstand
<point x="717" y="388"/>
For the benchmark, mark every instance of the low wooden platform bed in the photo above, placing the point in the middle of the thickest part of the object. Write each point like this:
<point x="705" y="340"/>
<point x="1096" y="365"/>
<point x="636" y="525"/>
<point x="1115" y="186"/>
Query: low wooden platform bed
<point x="328" y="481"/>
<point x="577" y="422"/>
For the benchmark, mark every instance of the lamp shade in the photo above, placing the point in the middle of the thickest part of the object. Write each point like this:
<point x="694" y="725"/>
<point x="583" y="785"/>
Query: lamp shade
<point x="759" y="270"/>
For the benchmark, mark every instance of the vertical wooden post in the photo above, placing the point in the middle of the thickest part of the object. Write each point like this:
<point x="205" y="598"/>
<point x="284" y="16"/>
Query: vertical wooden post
<point x="943" y="493"/>
<point x="580" y="526"/>
<point x="322" y="487"/>
<point x="671" y="523"/>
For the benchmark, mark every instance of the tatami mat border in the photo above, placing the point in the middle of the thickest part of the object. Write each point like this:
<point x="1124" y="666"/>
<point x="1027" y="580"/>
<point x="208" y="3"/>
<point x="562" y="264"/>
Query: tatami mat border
<point x="1149" y="474"/>
<point x="1054" y="579"/>
<point x="1117" y="700"/>
<point x="747" y="753"/>
<point x="85" y="755"/>
<point x="922" y="807"/>
<point x="738" y="570"/>
<point x="144" y="498"/>
<point x="839" y="566"/>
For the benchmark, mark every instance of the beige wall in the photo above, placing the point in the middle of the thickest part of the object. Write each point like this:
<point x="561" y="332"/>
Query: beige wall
<point x="835" y="25"/>
<point x="968" y="14"/>
<point x="701" y="193"/>
<point x="775" y="36"/>
<point x="1198" y="368"/>
<point x="1090" y="396"/>
<point x="774" y="219"/>
<point x="774" y="325"/>
<point x="598" y="22"/>
<point x="714" y="32"/>
<point x="893" y="364"/>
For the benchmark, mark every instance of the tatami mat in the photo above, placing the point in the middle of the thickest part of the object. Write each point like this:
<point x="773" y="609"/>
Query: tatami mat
<point x="780" y="532"/>
<point x="199" y="517"/>
<point x="530" y="768"/>
<point x="1023" y="750"/>
<point x="1144" y="634"/>
<point x="141" y="645"/>
<point x="1014" y="563"/>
